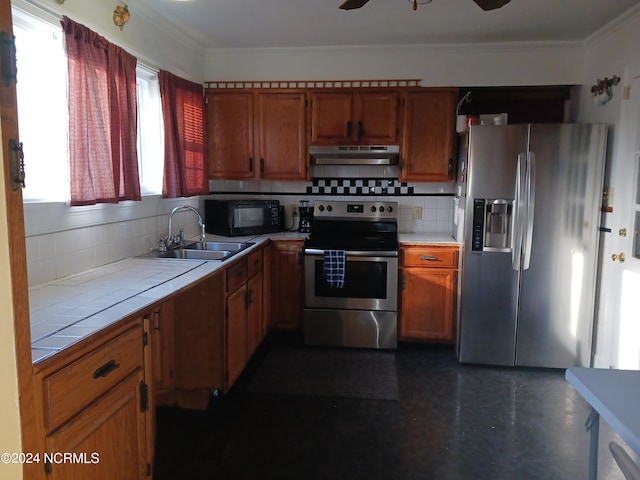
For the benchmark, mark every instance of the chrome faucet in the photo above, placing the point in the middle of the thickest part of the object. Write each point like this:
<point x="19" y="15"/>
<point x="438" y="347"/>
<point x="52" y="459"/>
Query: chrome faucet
<point x="178" y="240"/>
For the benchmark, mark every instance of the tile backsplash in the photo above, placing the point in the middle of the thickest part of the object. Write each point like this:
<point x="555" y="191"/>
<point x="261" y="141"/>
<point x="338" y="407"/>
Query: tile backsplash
<point x="62" y="241"/>
<point x="424" y="207"/>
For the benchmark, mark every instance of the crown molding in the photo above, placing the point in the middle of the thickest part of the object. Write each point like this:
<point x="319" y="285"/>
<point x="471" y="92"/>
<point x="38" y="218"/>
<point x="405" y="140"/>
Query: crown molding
<point x="496" y="47"/>
<point x="145" y="9"/>
<point x="614" y="25"/>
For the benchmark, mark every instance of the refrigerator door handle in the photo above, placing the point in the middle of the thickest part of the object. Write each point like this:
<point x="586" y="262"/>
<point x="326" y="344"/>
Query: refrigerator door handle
<point x="518" y="215"/>
<point x="530" y="207"/>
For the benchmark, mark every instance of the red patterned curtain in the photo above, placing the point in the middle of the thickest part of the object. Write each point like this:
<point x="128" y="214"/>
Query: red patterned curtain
<point x="102" y="118"/>
<point x="185" y="167"/>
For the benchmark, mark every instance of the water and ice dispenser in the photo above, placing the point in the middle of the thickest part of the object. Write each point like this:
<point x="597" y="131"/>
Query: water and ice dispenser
<point x="492" y="225"/>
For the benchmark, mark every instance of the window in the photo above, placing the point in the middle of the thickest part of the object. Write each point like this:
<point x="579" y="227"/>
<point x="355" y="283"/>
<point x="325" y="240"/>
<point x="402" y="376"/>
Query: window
<point x="42" y="108"/>
<point x="43" y="113"/>
<point x="150" y="131"/>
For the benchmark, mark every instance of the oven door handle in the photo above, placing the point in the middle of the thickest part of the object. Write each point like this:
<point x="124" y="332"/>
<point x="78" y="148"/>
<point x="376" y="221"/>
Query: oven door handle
<point x="354" y="253"/>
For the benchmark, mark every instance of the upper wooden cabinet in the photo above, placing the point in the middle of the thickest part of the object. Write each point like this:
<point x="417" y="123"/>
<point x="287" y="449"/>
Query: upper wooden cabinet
<point x="363" y="117"/>
<point x="230" y="144"/>
<point x="428" y="136"/>
<point x="257" y="135"/>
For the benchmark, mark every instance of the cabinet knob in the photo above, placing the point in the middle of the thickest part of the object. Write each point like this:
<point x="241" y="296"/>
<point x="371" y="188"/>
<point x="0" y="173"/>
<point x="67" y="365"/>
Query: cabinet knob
<point x="429" y="258"/>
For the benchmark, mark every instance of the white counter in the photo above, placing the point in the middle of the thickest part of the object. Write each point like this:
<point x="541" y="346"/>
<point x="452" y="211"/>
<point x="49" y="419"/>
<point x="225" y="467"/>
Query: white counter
<point x="65" y="311"/>
<point x="427" y="238"/>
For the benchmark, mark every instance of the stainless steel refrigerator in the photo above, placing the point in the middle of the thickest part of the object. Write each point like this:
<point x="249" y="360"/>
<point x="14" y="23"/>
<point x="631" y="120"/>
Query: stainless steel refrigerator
<point x="529" y="199"/>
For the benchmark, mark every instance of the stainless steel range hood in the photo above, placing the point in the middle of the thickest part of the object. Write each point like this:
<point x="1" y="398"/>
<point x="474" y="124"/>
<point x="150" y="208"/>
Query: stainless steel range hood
<point x="354" y="154"/>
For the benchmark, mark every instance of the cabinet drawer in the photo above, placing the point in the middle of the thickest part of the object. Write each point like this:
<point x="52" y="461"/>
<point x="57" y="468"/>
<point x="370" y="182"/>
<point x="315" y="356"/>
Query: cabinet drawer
<point x="432" y="257"/>
<point x="255" y="263"/>
<point x="236" y="275"/>
<point x="69" y="390"/>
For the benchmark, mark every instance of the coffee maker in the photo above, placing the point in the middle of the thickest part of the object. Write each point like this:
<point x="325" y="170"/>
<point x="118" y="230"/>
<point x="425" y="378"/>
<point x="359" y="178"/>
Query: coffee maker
<point x="306" y="215"/>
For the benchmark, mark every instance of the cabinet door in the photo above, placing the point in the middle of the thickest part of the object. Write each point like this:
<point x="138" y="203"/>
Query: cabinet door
<point x="199" y="335"/>
<point x="332" y="118"/>
<point x="113" y="428"/>
<point x="236" y="334"/>
<point x="428" y="304"/>
<point x="376" y="117"/>
<point x="281" y="132"/>
<point x="254" y="314"/>
<point x="287" y="285"/>
<point x="230" y="135"/>
<point x="428" y="136"/>
<point x="162" y="347"/>
<point x="267" y="292"/>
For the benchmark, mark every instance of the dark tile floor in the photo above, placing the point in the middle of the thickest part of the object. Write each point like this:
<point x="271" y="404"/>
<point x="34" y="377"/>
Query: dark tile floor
<point x="451" y="422"/>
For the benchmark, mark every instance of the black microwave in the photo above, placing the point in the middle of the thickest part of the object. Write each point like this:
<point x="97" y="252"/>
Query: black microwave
<point x="243" y="217"/>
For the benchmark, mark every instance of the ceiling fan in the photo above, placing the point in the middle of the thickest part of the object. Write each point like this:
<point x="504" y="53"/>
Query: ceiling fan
<point x="483" y="4"/>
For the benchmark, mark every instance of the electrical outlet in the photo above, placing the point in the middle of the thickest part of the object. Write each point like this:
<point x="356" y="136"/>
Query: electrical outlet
<point x="417" y="213"/>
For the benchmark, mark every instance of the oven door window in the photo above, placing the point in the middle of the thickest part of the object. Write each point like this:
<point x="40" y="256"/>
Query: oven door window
<point x="362" y="279"/>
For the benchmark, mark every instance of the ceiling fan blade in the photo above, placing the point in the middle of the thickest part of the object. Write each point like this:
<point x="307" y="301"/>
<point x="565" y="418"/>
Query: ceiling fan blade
<point x="353" y="4"/>
<point x="491" y="4"/>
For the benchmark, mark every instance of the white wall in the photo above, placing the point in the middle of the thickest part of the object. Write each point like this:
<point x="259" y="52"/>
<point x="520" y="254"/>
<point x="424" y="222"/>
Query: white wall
<point x="445" y="65"/>
<point x="609" y="55"/>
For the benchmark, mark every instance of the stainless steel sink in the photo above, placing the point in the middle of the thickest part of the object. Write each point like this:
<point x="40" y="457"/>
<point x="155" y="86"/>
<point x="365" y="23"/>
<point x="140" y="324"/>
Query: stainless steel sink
<point x="206" y="251"/>
<point x="216" y="246"/>
<point x="187" y="254"/>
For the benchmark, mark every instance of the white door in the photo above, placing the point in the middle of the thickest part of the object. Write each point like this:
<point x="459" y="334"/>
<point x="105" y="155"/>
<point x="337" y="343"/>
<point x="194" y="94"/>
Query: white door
<point x="624" y="258"/>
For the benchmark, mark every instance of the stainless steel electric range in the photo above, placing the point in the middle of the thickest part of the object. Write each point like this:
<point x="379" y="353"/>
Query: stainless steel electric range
<point x="351" y="275"/>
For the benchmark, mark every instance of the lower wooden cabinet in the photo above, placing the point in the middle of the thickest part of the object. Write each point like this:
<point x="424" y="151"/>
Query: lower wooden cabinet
<point x="96" y="408"/>
<point x="286" y="285"/>
<point x="199" y="340"/>
<point x="161" y="333"/>
<point x="428" y="279"/>
<point x="108" y="436"/>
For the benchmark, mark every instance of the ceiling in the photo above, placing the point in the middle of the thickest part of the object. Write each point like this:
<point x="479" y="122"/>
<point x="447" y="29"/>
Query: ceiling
<point x="316" y="23"/>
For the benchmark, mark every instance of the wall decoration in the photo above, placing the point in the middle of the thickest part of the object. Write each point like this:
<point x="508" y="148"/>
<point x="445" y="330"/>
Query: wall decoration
<point x="121" y="16"/>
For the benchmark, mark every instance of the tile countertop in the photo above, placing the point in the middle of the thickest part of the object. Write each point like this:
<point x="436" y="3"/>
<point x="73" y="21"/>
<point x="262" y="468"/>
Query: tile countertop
<point x="431" y="238"/>
<point x="65" y="311"/>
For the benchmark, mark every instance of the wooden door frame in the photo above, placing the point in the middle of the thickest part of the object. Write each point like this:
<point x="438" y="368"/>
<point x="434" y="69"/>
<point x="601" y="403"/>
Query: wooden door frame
<point x="32" y="440"/>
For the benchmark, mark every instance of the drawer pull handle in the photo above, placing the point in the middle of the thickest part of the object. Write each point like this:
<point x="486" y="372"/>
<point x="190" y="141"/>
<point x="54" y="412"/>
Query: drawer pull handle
<point x="106" y="369"/>
<point x="430" y="258"/>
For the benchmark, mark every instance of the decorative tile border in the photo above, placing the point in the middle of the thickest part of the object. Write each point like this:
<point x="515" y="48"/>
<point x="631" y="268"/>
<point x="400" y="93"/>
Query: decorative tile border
<point x="359" y="186"/>
<point x="275" y="84"/>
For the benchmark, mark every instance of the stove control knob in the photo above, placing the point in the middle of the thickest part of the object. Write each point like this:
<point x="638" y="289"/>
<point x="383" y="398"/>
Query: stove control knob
<point x="389" y="209"/>
<point x="321" y="208"/>
<point x="329" y="208"/>
<point x="381" y="209"/>
<point x="373" y="208"/>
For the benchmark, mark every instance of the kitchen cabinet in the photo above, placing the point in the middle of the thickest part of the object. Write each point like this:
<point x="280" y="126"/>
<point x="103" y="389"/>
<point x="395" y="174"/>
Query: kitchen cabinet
<point x="286" y="285"/>
<point x="428" y="278"/>
<point x="161" y="333"/>
<point x="257" y="135"/>
<point x="230" y="135"/>
<point x="199" y="336"/>
<point x="255" y="324"/>
<point x="366" y="117"/>
<point x="428" y="135"/>
<point x="236" y="317"/>
<point x="218" y="326"/>
<point x="244" y="313"/>
<point x="95" y="405"/>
